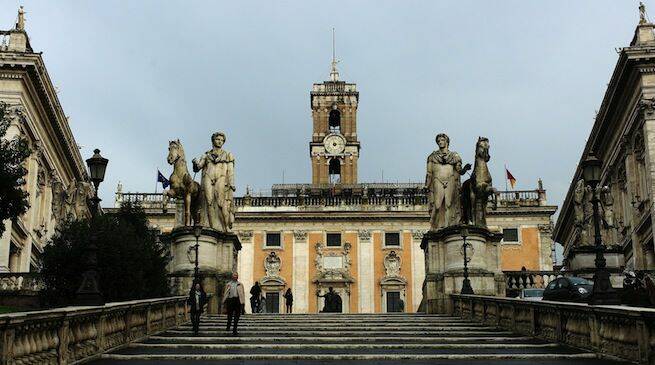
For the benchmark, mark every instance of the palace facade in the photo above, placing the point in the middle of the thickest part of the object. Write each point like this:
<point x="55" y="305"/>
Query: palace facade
<point x="623" y="138"/>
<point x="57" y="179"/>
<point x="362" y="239"/>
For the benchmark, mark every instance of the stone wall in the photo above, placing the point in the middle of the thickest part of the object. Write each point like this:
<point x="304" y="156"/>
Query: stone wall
<point x="625" y="332"/>
<point x="71" y="334"/>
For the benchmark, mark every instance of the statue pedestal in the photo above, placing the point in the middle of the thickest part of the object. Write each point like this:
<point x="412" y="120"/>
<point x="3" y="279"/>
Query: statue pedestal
<point x="217" y="260"/>
<point x="444" y="265"/>
<point x="581" y="262"/>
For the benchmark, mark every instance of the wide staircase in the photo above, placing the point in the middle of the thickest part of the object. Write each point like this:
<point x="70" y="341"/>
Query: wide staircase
<point x="346" y="338"/>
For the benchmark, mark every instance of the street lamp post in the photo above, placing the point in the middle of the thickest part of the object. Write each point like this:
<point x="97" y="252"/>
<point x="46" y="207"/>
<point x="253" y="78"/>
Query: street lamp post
<point x="89" y="291"/>
<point x="602" y="293"/>
<point x="197" y="231"/>
<point x="466" y="284"/>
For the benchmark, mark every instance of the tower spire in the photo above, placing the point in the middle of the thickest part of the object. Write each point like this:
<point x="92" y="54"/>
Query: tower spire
<point x="334" y="73"/>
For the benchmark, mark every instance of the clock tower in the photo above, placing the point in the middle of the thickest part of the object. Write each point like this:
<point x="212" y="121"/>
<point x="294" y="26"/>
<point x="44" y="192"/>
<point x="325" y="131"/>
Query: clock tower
<point x="334" y="148"/>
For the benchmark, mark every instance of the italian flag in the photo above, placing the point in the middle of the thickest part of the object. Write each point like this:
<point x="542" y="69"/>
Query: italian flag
<point x="510" y="178"/>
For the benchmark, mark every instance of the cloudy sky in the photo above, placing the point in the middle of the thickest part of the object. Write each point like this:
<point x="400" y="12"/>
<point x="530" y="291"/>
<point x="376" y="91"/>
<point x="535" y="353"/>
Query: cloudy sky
<point x="133" y="75"/>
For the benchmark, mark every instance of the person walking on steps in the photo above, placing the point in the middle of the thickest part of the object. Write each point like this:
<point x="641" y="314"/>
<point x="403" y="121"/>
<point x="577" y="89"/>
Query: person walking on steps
<point x="288" y="298"/>
<point x="234" y="300"/>
<point x="255" y="294"/>
<point x="196" y="301"/>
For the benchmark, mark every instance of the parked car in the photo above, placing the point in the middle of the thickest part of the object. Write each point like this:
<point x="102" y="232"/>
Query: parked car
<point x="569" y="289"/>
<point x="531" y="294"/>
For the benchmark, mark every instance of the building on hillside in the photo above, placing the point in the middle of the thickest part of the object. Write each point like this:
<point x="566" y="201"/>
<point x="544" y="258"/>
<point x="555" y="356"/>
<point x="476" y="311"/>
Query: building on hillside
<point x="362" y="239"/>
<point x="57" y="180"/>
<point x="623" y="137"/>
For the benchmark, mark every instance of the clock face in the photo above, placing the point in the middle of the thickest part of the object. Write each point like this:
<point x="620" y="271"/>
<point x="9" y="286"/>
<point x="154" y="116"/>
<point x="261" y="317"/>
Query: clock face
<point x="334" y="144"/>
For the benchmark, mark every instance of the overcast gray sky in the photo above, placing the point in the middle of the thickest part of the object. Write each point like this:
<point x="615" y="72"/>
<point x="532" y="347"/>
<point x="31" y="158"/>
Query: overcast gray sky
<point x="133" y="75"/>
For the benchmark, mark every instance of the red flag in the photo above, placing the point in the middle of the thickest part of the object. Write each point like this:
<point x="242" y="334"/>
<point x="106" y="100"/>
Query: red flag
<point x="510" y="177"/>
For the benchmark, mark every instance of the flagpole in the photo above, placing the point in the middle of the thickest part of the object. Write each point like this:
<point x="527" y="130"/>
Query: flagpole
<point x="157" y="180"/>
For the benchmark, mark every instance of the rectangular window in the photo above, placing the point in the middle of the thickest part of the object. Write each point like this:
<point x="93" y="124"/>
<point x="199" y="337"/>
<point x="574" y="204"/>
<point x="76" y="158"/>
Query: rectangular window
<point x="510" y="234"/>
<point x="334" y="239"/>
<point x="273" y="240"/>
<point x="392" y="239"/>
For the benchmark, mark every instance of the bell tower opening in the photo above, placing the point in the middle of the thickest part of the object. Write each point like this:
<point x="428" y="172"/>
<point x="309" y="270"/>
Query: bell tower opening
<point x="334" y="170"/>
<point x="335" y="120"/>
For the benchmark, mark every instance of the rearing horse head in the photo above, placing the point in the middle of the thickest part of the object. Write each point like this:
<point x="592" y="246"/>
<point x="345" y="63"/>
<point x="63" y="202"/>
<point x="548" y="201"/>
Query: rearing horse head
<point x="482" y="149"/>
<point x="175" y="151"/>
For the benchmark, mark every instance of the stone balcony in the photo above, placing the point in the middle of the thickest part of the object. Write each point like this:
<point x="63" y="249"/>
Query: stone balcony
<point x="361" y="197"/>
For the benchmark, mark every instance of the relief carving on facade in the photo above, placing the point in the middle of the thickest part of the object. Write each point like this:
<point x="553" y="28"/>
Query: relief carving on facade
<point x="300" y="235"/>
<point x="418" y="234"/>
<point x="71" y="203"/>
<point x="647" y="105"/>
<point x="392" y="264"/>
<point x="272" y="264"/>
<point x="245" y="235"/>
<point x="333" y="265"/>
<point x="16" y="114"/>
<point x="584" y="220"/>
<point x="364" y="235"/>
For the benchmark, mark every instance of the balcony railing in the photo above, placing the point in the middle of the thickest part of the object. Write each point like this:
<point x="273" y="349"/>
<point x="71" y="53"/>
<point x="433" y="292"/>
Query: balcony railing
<point x="146" y="200"/>
<point x="524" y="279"/>
<point x="329" y="201"/>
<point x="296" y="195"/>
<point x="521" y="197"/>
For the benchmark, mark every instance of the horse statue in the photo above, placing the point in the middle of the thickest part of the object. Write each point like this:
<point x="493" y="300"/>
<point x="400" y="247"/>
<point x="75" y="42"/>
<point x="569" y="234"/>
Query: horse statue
<point x="477" y="189"/>
<point x="182" y="184"/>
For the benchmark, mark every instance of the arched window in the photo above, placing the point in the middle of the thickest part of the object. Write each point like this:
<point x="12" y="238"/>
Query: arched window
<point x="335" y="121"/>
<point x="334" y="171"/>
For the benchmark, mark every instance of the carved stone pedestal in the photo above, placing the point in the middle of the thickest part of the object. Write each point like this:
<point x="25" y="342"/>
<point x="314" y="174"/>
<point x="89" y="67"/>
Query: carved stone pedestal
<point x="444" y="265"/>
<point x="217" y="260"/>
<point x="581" y="262"/>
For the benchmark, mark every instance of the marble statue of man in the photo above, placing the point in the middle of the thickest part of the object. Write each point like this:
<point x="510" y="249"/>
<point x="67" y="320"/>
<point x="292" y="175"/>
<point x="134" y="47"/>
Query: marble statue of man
<point x="443" y="184"/>
<point x="217" y="185"/>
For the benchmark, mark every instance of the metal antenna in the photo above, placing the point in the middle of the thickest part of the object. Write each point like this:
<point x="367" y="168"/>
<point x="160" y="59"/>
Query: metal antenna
<point x="334" y="50"/>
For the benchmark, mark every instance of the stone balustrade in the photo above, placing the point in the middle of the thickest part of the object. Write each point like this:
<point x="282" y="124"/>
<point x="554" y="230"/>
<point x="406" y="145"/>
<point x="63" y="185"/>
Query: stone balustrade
<point x="526" y="279"/>
<point x="624" y="332"/>
<point x="21" y="281"/>
<point x="72" y="334"/>
<point x="300" y="195"/>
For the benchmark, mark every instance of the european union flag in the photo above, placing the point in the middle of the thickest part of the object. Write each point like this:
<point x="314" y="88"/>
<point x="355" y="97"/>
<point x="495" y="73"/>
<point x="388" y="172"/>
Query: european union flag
<point x="164" y="181"/>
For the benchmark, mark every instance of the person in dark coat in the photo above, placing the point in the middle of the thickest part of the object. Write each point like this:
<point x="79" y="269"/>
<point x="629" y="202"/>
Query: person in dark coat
<point x="197" y="300"/>
<point x="288" y="297"/>
<point x="255" y="294"/>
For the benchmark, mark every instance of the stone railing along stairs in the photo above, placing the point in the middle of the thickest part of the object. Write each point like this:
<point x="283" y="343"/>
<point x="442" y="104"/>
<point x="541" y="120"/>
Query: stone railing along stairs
<point x="351" y="338"/>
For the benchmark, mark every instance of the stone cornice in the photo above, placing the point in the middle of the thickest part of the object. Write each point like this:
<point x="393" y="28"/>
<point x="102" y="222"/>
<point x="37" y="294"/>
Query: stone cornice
<point x="33" y="65"/>
<point x="606" y="128"/>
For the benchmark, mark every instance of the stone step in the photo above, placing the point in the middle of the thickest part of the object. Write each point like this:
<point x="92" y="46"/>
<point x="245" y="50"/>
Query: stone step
<point x="253" y="328"/>
<point x="342" y="315"/>
<point x="348" y="332"/>
<point x="236" y="358"/>
<point x="325" y="339"/>
<point x="336" y="321"/>
<point x="274" y="348"/>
